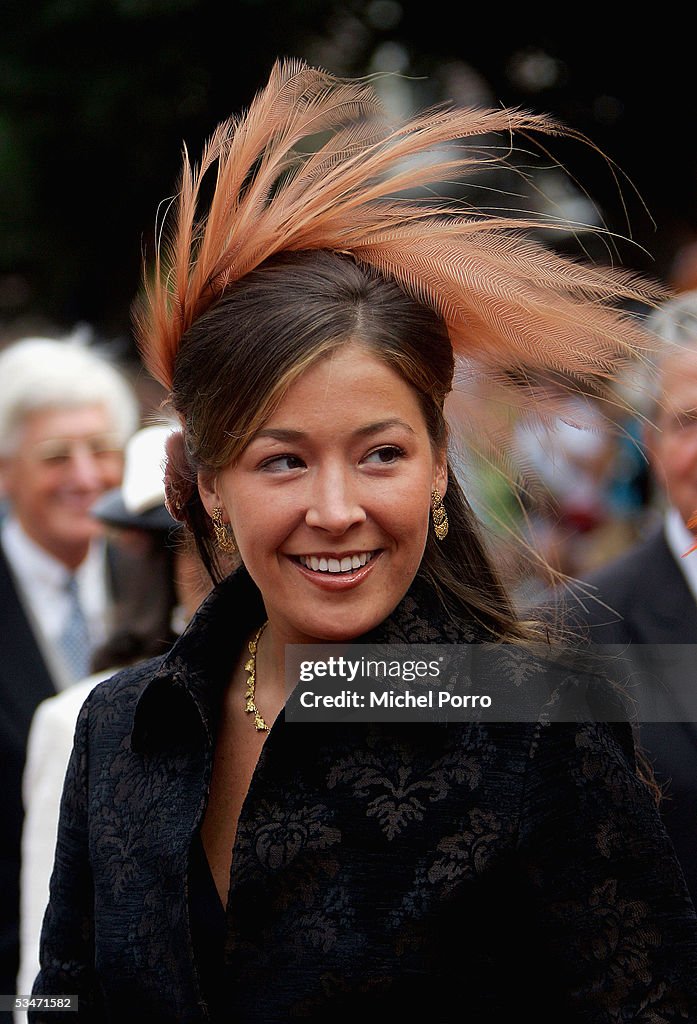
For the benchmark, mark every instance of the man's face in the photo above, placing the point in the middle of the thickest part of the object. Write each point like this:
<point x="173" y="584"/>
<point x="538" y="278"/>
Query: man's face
<point x="673" y="441"/>
<point x="65" y="459"/>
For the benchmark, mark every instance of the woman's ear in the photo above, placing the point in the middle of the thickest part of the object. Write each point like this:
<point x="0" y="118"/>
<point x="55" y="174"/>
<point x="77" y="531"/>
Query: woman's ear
<point x="440" y="477"/>
<point x="207" y="489"/>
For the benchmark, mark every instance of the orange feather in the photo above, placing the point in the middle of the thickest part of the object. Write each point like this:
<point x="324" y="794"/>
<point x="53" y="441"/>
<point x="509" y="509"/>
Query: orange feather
<point x="314" y="163"/>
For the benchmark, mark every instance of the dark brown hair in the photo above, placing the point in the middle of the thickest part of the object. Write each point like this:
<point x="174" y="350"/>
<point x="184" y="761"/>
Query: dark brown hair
<point x="238" y="360"/>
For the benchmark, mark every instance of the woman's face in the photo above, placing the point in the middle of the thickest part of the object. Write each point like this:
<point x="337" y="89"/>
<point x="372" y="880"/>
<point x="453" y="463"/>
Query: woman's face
<point x="330" y="501"/>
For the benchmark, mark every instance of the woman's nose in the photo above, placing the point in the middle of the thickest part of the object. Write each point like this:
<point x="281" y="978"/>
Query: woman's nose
<point x="334" y="503"/>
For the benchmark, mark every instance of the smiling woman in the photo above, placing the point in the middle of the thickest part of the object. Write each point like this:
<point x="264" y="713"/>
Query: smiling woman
<point x="345" y="469"/>
<point x="218" y="861"/>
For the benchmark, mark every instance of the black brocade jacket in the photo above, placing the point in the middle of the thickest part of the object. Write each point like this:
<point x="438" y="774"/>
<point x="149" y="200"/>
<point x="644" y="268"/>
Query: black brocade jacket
<point x="441" y="872"/>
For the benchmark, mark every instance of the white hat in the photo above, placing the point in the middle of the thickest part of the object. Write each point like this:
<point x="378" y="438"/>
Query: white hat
<point x="140" y="500"/>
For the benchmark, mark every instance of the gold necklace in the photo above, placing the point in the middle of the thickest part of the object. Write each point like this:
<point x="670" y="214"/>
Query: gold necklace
<point x="251" y="667"/>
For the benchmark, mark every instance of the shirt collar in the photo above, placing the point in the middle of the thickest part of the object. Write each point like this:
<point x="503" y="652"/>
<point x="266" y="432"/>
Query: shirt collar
<point x="680" y="540"/>
<point x="28" y="559"/>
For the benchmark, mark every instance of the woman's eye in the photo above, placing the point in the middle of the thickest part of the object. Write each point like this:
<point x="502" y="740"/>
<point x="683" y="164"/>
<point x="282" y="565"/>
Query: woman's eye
<point x="282" y="464"/>
<point x="385" y="456"/>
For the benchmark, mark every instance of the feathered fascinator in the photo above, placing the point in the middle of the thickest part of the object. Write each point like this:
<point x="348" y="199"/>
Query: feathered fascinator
<point x="315" y="163"/>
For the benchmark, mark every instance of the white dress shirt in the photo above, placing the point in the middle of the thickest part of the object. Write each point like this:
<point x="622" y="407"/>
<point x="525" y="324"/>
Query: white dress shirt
<point x="41" y="581"/>
<point x="680" y="540"/>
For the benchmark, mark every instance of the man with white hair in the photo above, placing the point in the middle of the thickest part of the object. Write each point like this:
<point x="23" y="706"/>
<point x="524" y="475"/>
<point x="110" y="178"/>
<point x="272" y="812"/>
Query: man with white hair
<point x="646" y="601"/>
<point x="65" y="415"/>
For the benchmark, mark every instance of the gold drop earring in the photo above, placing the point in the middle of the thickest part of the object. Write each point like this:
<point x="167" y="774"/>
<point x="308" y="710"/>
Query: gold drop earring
<point x="223" y="533"/>
<point x="439" y="516"/>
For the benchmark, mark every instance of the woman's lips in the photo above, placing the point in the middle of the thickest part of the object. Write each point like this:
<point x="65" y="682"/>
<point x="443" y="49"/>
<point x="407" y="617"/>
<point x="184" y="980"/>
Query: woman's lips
<point x="337" y="562"/>
<point x="329" y="574"/>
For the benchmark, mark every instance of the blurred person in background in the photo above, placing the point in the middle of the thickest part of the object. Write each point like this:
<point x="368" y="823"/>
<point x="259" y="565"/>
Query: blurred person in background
<point x="164" y="587"/>
<point x="648" y="596"/>
<point x="65" y="414"/>
<point x="583" y="498"/>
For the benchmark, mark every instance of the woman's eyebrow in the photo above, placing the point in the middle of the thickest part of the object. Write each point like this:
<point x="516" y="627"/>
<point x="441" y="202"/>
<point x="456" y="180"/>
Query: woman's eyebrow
<point x="278" y="434"/>
<point x="375" y="428"/>
<point x="286" y="434"/>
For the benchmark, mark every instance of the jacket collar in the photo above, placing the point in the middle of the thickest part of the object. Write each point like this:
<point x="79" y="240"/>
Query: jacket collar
<point x="191" y="677"/>
<point x="179" y="704"/>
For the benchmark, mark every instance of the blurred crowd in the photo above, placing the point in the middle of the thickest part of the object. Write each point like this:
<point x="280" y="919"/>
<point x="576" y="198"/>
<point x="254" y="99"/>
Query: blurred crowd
<point x="584" y="487"/>
<point x="95" y="574"/>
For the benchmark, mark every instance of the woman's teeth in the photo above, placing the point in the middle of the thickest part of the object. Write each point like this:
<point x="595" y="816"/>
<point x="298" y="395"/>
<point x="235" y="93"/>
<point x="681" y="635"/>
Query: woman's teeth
<point x="346" y="564"/>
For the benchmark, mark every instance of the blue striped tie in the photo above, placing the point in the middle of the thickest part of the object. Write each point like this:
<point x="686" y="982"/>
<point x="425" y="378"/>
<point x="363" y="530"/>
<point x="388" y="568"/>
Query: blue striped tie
<point x="74" y="641"/>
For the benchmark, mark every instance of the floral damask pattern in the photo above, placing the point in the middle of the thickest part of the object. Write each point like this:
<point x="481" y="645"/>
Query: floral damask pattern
<point x="277" y="834"/>
<point x="395" y="788"/>
<point x="468" y="853"/>
<point x="368" y="857"/>
<point x="621" y="947"/>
